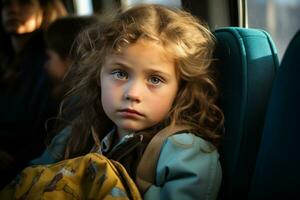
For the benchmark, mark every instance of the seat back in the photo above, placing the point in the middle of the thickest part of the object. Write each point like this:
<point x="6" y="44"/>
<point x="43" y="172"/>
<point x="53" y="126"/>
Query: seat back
<point x="277" y="172"/>
<point x="247" y="65"/>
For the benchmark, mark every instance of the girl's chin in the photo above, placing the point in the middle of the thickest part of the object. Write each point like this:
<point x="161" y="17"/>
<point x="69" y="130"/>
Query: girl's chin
<point x="124" y="130"/>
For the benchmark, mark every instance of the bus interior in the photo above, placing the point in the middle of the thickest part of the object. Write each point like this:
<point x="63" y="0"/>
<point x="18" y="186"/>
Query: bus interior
<point x="257" y="58"/>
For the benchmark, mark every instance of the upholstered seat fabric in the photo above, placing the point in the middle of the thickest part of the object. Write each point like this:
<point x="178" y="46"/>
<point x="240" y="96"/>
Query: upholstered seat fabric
<point x="247" y="63"/>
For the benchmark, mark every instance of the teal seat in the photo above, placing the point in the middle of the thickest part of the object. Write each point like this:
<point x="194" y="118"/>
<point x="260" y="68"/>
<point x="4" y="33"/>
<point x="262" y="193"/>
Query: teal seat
<point x="247" y="62"/>
<point x="277" y="172"/>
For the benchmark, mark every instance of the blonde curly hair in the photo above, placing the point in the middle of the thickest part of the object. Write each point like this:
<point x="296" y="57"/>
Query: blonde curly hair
<point x="184" y="37"/>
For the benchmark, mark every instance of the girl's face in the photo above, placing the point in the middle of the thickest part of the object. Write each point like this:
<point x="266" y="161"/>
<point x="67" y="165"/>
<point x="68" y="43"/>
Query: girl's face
<point x="138" y="86"/>
<point x="21" y="16"/>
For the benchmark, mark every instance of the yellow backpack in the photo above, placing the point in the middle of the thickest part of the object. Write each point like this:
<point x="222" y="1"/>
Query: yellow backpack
<point x="92" y="176"/>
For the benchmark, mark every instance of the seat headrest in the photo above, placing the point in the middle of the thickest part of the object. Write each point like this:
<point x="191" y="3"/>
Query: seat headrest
<point x="278" y="158"/>
<point x="247" y="63"/>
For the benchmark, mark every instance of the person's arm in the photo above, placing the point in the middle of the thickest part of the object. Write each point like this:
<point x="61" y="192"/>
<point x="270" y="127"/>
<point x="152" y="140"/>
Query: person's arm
<point x="188" y="168"/>
<point x="55" y="151"/>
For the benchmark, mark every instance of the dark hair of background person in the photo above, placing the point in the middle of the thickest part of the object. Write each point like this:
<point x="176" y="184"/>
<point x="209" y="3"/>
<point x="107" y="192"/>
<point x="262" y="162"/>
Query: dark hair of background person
<point x="61" y="34"/>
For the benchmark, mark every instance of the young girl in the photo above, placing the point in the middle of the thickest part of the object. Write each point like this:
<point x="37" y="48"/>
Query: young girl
<point x="148" y="68"/>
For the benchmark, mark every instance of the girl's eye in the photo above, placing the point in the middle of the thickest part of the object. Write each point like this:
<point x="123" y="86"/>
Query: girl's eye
<point x="154" y="80"/>
<point x="120" y="75"/>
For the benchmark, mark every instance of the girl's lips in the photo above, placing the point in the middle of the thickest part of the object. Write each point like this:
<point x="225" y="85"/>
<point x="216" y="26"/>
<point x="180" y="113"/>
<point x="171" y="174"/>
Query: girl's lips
<point x="129" y="112"/>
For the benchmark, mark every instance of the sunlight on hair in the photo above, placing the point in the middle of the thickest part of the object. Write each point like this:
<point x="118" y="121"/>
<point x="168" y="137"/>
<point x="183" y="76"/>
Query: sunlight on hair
<point x="172" y="3"/>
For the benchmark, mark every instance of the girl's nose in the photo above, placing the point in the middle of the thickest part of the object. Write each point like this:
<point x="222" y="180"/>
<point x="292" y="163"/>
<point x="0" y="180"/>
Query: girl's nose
<point x="132" y="98"/>
<point x="133" y="92"/>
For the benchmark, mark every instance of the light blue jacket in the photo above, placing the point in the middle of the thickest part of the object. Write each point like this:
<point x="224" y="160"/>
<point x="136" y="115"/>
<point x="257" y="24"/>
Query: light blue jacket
<point x="188" y="167"/>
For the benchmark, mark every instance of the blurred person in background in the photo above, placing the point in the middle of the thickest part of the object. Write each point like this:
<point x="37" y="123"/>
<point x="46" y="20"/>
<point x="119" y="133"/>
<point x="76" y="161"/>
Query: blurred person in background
<point x="24" y="85"/>
<point x="61" y="45"/>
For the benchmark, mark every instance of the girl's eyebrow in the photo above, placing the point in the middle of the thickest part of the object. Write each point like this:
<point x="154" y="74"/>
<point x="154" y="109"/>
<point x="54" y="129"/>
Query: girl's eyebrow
<point x="121" y="64"/>
<point x="159" y="72"/>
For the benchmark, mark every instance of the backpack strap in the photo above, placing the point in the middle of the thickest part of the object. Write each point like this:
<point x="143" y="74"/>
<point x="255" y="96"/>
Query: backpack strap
<point x="146" y="170"/>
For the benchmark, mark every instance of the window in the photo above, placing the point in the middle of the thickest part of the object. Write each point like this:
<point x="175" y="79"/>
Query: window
<point x="280" y="18"/>
<point x="83" y="7"/>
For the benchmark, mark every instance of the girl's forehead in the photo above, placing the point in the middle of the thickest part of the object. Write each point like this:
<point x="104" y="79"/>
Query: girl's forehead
<point x="144" y="44"/>
<point x="147" y="54"/>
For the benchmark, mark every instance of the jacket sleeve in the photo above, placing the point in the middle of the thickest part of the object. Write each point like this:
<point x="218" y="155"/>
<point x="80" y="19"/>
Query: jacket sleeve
<point x="55" y="151"/>
<point x="188" y="168"/>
